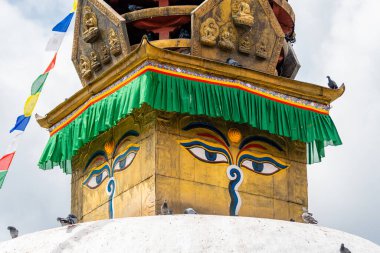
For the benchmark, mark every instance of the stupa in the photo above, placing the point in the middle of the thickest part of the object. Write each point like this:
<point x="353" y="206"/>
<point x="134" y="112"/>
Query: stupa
<point x="189" y="102"/>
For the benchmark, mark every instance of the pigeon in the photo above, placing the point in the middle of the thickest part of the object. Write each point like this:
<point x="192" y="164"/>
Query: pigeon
<point x="332" y="84"/>
<point x="308" y="217"/>
<point x="133" y="7"/>
<point x="292" y="220"/>
<point x="184" y="34"/>
<point x="165" y="209"/>
<point x="70" y="220"/>
<point x="13" y="231"/>
<point x="344" y="249"/>
<point x="232" y="62"/>
<point x="190" y="211"/>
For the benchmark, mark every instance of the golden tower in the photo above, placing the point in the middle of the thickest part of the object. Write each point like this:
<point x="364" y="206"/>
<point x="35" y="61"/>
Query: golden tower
<point x="189" y="102"/>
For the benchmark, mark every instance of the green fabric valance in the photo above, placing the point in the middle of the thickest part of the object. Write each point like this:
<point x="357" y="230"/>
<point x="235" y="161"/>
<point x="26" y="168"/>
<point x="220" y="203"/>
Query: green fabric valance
<point x="176" y="94"/>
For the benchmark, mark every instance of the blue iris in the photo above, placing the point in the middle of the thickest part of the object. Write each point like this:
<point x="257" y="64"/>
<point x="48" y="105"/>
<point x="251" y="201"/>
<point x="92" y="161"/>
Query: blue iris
<point x="211" y="156"/>
<point x="122" y="163"/>
<point x="258" y="167"/>
<point x="99" y="178"/>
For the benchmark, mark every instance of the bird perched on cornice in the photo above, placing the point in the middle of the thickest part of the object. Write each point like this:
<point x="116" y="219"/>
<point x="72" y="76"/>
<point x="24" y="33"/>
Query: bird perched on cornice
<point x="165" y="209"/>
<point x="133" y="7"/>
<point x="344" y="249"/>
<point x="190" y="211"/>
<point x="308" y="217"/>
<point x="13" y="231"/>
<point x="332" y="84"/>
<point x="232" y="62"/>
<point x="70" y="220"/>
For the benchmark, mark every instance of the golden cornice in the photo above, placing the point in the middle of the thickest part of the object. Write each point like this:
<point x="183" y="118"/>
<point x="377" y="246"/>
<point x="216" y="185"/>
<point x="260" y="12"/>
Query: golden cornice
<point x="159" y="12"/>
<point x="146" y="51"/>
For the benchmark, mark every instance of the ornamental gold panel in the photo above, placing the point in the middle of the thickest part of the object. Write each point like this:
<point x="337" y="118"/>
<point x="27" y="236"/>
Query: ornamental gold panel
<point x="244" y="30"/>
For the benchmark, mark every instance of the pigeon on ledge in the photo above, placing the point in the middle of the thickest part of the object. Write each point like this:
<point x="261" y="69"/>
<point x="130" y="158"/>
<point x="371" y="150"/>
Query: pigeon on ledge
<point x="165" y="209"/>
<point x="332" y="84"/>
<point x="70" y="220"/>
<point x="344" y="249"/>
<point x="133" y="7"/>
<point x="232" y="62"/>
<point x="308" y="217"/>
<point x="13" y="231"/>
<point x="190" y="211"/>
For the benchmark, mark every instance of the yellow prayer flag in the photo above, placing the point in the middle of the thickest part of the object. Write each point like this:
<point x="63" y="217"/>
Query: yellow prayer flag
<point x="30" y="104"/>
<point x="75" y="4"/>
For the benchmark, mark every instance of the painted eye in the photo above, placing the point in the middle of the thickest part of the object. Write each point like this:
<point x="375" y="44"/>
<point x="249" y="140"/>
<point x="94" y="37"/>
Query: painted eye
<point x="96" y="178"/>
<point x="208" y="156"/>
<point x="124" y="161"/>
<point x="261" y="168"/>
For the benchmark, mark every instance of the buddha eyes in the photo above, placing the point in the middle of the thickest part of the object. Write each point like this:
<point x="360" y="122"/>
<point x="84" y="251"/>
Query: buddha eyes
<point x="208" y="156"/>
<point x="206" y="153"/>
<point x="124" y="160"/>
<point x="97" y="177"/>
<point x="261" y="165"/>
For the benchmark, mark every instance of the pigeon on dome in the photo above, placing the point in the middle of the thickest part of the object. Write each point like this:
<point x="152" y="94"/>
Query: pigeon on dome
<point x="165" y="210"/>
<point x="332" y="84"/>
<point x="308" y="217"/>
<point x="232" y="62"/>
<point x="190" y="211"/>
<point x="13" y="231"/>
<point x="70" y="220"/>
<point x="344" y="249"/>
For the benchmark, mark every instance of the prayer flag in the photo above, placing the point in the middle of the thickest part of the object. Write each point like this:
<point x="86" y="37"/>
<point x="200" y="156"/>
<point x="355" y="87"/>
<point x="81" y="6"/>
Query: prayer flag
<point x="3" y="174"/>
<point x="39" y="83"/>
<point x="51" y="65"/>
<point x="64" y="24"/>
<point x="75" y="4"/>
<point x="21" y="123"/>
<point x="30" y="104"/>
<point x="55" y="41"/>
<point x="6" y="161"/>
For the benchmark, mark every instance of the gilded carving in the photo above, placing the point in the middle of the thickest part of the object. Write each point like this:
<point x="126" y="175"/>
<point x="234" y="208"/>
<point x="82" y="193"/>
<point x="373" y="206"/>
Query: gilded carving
<point x="209" y="32"/>
<point x="242" y="13"/>
<point x="90" y="25"/>
<point x="105" y="56"/>
<point x="245" y="43"/>
<point x="262" y="49"/>
<point x="95" y="64"/>
<point x="114" y="42"/>
<point x="85" y="67"/>
<point x="227" y="37"/>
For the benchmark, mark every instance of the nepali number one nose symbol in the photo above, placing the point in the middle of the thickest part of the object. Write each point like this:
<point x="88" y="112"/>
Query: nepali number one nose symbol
<point x="213" y="147"/>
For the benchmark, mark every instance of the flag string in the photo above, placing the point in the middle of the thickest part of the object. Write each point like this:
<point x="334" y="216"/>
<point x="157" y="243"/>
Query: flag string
<point x="22" y="121"/>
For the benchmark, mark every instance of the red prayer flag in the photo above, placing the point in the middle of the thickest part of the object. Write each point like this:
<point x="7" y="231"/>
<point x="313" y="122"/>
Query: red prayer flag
<point x="51" y="65"/>
<point x="6" y="161"/>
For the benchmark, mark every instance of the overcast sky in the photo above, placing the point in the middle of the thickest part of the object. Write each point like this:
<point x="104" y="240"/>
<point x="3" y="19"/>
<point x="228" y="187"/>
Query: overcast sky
<point x="338" y="38"/>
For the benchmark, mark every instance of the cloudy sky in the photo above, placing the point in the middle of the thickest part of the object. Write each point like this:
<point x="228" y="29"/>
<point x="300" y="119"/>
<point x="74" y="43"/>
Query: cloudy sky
<point x="336" y="38"/>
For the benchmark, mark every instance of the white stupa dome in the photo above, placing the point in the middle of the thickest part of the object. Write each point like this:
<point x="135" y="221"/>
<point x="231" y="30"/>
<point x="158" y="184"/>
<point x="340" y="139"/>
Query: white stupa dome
<point x="189" y="233"/>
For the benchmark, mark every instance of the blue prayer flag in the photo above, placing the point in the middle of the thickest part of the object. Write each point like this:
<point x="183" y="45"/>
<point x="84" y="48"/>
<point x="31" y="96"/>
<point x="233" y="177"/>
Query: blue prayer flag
<point x="21" y="123"/>
<point x="64" y="24"/>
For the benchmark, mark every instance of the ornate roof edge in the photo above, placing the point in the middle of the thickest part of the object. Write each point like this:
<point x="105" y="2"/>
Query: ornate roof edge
<point x="146" y="51"/>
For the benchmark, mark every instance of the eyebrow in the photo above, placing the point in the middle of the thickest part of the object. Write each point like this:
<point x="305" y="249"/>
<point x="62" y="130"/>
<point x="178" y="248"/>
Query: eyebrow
<point x="127" y="134"/>
<point x="197" y="125"/>
<point x="95" y="155"/>
<point x="261" y="139"/>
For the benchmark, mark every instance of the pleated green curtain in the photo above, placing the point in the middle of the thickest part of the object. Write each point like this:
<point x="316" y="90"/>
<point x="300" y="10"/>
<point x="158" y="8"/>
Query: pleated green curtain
<point x="175" y="94"/>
